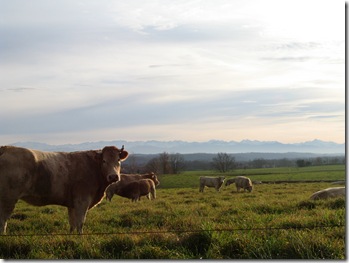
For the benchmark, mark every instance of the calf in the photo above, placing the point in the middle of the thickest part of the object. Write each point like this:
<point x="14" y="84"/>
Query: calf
<point x="328" y="193"/>
<point x="215" y="182"/>
<point x="133" y="190"/>
<point x="240" y="182"/>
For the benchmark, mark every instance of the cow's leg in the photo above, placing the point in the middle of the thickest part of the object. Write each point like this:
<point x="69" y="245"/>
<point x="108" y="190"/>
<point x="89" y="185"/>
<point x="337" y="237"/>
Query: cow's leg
<point x="77" y="216"/>
<point x="72" y="220"/>
<point x="6" y="208"/>
<point x="153" y="193"/>
<point x="201" y="188"/>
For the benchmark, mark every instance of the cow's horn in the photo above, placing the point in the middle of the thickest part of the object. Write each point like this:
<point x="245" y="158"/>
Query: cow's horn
<point x="122" y="148"/>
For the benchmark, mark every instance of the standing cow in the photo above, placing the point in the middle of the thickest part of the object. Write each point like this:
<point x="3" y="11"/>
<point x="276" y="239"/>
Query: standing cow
<point x="215" y="182"/>
<point x="133" y="190"/>
<point x="240" y="182"/>
<point x="76" y="180"/>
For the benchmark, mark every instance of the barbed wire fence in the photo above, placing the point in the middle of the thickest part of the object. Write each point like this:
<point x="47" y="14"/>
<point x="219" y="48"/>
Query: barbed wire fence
<point x="178" y="231"/>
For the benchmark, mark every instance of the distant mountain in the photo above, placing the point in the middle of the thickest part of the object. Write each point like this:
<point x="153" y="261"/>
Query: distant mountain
<point x="212" y="146"/>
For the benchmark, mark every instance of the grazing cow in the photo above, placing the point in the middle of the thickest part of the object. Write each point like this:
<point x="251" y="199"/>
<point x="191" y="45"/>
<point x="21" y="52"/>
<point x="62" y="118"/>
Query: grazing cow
<point x="76" y="180"/>
<point x="132" y="190"/>
<point x="215" y="182"/>
<point x="328" y="193"/>
<point x="135" y="177"/>
<point x="240" y="182"/>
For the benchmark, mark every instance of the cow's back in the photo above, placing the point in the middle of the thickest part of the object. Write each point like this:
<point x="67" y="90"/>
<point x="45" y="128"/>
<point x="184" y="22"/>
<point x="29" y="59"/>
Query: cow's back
<point x="127" y="178"/>
<point x="42" y="178"/>
<point x="17" y="169"/>
<point x="146" y="186"/>
<point x="328" y="193"/>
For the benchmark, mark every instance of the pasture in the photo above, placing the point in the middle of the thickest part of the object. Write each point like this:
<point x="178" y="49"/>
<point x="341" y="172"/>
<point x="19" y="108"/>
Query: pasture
<point x="275" y="221"/>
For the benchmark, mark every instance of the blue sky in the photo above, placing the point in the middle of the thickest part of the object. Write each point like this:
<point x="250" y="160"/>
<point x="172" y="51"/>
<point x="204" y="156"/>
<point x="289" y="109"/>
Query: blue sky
<point x="195" y="70"/>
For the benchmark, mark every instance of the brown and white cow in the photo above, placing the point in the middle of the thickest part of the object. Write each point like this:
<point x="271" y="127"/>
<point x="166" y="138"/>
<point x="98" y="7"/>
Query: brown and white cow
<point x="215" y="182"/>
<point x="132" y="190"/>
<point x="76" y="180"/>
<point x="240" y="182"/>
<point x="328" y="193"/>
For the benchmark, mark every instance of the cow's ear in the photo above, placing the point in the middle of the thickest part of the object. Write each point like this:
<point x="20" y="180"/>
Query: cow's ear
<point x="123" y="155"/>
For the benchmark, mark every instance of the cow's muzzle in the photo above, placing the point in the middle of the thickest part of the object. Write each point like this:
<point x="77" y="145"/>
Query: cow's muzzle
<point x="111" y="178"/>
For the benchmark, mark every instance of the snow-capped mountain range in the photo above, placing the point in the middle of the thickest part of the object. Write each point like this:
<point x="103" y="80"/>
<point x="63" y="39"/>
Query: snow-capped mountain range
<point x="184" y="147"/>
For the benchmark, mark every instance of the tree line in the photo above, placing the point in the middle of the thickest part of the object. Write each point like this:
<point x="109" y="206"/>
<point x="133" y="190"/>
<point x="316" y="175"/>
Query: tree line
<point x="166" y="163"/>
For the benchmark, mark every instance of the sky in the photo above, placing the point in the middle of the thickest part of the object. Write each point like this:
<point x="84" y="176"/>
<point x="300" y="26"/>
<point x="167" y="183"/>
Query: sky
<point x="194" y="70"/>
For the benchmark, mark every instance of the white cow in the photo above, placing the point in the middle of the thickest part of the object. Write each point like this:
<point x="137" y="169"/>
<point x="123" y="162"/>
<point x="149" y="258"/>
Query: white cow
<point x="215" y="182"/>
<point x="328" y="193"/>
<point x="240" y="182"/>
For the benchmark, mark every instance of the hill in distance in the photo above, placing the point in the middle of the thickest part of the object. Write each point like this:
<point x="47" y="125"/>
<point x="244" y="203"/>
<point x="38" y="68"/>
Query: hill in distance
<point x="209" y="147"/>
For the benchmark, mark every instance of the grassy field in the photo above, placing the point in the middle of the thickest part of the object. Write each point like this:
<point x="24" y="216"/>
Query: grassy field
<point x="275" y="221"/>
<point x="191" y="178"/>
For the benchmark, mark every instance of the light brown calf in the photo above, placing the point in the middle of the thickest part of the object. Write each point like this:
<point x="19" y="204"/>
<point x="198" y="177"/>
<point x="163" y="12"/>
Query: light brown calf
<point x="133" y="190"/>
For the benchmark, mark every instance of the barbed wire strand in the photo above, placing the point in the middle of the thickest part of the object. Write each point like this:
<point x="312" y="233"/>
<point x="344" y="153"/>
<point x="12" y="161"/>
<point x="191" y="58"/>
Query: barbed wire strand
<point x="175" y="231"/>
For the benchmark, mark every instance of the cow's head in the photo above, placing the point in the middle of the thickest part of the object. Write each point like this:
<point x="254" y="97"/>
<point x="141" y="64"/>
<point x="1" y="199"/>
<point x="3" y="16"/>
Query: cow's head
<point x="111" y="162"/>
<point x="154" y="177"/>
<point x="229" y="181"/>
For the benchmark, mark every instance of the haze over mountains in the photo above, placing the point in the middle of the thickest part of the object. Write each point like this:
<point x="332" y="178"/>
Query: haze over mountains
<point x="212" y="146"/>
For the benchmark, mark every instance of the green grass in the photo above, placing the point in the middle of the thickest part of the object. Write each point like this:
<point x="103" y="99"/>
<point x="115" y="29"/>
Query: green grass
<point x="191" y="178"/>
<point x="275" y="221"/>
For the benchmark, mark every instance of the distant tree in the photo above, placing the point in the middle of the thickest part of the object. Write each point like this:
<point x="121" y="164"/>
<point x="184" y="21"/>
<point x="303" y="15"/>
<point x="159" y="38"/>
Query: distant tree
<point x="177" y="163"/>
<point x="259" y="163"/>
<point x="164" y="163"/>
<point x="318" y="161"/>
<point x="131" y="165"/>
<point x="303" y="163"/>
<point x="223" y="162"/>
<point x="300" y="163"/>
<point x="153" y="165"/>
